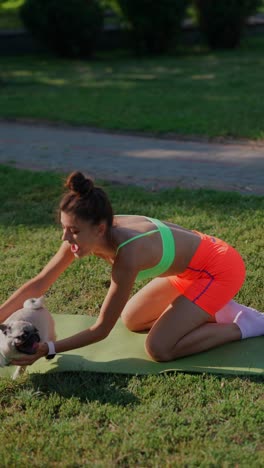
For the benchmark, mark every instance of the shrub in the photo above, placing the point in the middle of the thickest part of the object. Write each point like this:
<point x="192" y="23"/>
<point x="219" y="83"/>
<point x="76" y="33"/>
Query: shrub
<point x="155" y="24"/>
<point x="69" y="27"/>
<point x="222" y="21"/>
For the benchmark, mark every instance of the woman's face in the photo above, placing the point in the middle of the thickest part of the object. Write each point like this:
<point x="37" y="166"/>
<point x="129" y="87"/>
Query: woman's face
<point x="83" y="236"/>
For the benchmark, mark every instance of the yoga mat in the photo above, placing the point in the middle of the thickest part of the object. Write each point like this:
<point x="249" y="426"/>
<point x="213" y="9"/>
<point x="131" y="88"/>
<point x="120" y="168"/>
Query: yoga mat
<point x="123" y="352"/>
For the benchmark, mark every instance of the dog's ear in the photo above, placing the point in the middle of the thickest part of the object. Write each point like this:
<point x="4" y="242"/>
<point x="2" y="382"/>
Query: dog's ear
<point x="4" y="328"/>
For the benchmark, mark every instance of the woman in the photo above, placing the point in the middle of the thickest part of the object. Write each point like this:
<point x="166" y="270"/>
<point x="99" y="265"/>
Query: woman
<point x="187" y="307"/>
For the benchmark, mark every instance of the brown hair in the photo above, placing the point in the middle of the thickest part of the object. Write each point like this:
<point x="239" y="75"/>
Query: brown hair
<point x="85" y="200"/>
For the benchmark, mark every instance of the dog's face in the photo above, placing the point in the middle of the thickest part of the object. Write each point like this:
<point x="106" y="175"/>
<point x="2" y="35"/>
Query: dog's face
<point x="19" y="336"/>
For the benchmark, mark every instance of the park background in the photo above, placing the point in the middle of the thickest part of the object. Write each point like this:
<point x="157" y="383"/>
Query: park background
<point x="191" y="89"/>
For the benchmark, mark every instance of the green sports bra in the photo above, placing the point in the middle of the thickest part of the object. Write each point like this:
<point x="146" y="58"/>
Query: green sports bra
<point x="168" y="246"/>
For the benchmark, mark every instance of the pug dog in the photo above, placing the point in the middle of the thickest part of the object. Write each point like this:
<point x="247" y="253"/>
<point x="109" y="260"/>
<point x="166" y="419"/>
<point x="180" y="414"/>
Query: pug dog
<point x="23" y="330"/>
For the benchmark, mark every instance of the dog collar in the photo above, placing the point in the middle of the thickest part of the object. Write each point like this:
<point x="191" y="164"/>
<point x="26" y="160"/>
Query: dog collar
<point x="52" y="352"/>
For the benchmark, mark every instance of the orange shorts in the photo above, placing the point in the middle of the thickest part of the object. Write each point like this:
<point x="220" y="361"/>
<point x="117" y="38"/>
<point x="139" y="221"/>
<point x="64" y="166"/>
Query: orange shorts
<point x="214" y="275"/>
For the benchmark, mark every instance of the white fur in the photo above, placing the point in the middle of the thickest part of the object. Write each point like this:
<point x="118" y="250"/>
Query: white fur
<point x="33" y="313"/>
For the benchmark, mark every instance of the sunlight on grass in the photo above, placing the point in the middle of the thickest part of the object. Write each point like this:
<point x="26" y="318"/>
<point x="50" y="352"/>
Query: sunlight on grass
<point x="22" y="73"/>
<point x="11" y="4"/>
<point x="203" y="77"/>
<point x="53" y="81"/>
<point x="161" y="94"/>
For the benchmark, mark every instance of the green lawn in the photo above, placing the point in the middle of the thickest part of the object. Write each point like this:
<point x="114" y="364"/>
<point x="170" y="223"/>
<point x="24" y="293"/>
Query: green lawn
<point x="201" y="93"/>
<point x="89" y="419"/>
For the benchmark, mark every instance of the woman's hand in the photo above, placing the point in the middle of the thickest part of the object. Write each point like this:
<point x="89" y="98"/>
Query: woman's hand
<point x="27" y="360"/>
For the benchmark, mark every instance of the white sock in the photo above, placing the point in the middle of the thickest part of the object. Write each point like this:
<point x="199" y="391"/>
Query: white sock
<point x="228" y="313"/>
<point x="250" y="322"/>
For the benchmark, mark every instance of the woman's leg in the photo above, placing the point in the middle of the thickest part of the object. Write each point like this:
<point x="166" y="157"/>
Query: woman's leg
<point x="183" y="329"/>
<point x="179" y="327"/>
<point x="147" y="305"/>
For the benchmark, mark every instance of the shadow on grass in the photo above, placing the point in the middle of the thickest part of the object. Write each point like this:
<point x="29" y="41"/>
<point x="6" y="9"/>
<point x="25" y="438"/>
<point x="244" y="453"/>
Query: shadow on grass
<point x="87" y="386"/>
<point x="113" y="388"/>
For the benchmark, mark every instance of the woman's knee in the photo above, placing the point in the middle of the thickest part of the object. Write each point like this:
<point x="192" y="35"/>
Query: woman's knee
<point x="157" y="351"/>
<point x="134" y="323"/>
<point x="129" y="321"/>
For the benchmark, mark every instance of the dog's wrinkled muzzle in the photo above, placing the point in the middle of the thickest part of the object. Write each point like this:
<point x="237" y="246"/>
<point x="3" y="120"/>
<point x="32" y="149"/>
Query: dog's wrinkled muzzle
<point x="30" y="345"/>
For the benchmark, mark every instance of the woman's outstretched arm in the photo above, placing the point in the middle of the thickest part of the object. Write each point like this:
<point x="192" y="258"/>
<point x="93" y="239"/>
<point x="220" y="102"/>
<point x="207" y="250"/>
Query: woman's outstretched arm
<point x="118" y="294"/>
<point x="38" y="285"/>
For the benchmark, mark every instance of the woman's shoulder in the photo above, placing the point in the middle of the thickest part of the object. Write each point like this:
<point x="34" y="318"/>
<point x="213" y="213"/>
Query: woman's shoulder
<point x="128" y="218"/>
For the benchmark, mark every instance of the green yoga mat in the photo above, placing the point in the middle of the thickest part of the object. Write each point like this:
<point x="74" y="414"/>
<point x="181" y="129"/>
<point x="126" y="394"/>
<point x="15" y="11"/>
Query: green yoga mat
<point x="123" y="352"/>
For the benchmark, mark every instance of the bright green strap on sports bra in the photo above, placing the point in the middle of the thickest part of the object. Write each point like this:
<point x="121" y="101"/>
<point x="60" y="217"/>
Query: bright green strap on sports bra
<point x="168" y="256"/>
<point x="136" y="237"/>
<point x="168" y="246"/>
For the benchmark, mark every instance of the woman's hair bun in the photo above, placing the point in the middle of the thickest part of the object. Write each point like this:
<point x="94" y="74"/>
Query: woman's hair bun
<point x="86" y="201"/>
<point x="79" y="184"/>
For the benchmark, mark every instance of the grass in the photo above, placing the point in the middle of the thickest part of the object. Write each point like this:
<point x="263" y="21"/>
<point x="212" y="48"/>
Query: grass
<point x="89" y="419"/>
<point x="209" y="94"/>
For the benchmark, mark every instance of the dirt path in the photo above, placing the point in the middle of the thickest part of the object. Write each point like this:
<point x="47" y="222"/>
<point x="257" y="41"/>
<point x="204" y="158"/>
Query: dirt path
<point x="145" y="161"/>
